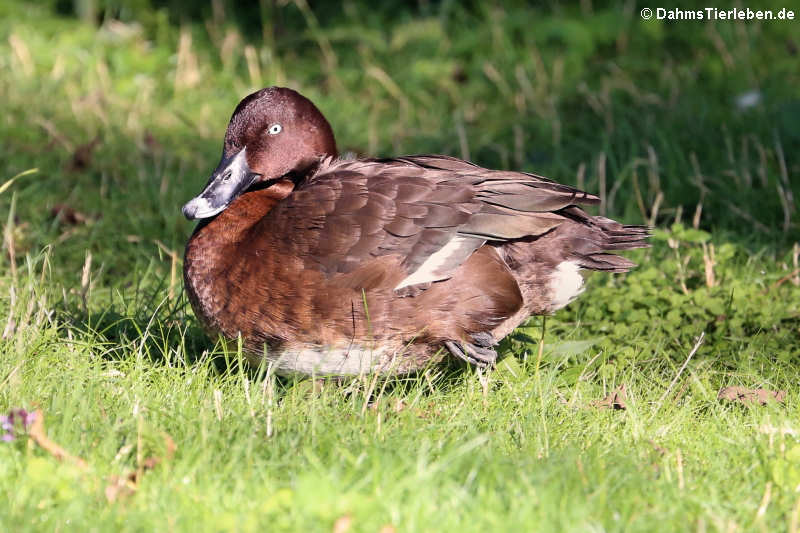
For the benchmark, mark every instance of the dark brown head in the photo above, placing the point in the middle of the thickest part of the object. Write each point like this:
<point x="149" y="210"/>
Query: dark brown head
<point x="273" y="133"/>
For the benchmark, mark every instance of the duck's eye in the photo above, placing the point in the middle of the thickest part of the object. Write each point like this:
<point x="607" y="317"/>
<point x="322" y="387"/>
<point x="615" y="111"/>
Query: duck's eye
<point x="274" y="129"/>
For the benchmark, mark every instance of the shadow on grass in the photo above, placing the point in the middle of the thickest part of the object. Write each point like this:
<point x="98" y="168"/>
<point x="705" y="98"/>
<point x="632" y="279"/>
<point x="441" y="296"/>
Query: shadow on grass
<point x="151" y="326"/>
<point x="165" y="332"/>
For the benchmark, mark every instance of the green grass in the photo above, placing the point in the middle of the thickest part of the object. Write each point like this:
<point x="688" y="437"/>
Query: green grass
<point x="97" y="332"/>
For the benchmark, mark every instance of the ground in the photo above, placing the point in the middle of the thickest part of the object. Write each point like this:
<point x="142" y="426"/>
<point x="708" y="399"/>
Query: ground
<point x="602" y="417"/>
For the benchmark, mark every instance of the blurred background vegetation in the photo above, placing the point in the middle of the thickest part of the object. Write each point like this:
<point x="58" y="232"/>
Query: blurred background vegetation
<point x="657" y="117"/>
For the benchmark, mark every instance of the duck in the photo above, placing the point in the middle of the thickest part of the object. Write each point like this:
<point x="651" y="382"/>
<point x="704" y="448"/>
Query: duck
<point x="332" y="266"/>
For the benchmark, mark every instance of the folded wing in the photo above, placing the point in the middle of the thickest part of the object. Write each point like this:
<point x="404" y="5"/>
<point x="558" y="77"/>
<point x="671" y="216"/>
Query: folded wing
<point x="432" y="212"/>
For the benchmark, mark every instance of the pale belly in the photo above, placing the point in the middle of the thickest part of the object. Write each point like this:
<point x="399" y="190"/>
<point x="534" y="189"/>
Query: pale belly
<point x="355" y="359"/>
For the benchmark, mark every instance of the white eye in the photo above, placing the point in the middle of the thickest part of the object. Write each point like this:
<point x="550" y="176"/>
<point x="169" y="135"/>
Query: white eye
<point x="275" y="129"/>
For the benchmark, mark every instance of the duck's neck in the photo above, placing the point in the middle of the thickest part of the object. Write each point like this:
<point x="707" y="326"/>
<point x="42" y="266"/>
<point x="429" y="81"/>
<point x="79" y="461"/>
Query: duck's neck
<point x="214" y="243"/>
<point x="246" y="210"/>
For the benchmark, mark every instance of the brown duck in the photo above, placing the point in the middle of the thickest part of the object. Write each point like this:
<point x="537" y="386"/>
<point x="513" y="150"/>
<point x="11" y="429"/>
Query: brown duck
<point x="332" y="266"/>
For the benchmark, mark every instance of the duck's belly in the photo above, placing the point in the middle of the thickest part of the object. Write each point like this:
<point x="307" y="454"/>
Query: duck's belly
<point x="353" y="359"/>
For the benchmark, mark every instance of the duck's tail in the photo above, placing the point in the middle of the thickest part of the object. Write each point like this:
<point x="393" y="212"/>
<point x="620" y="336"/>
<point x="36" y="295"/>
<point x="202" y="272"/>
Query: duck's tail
<point x="593" y="247"/>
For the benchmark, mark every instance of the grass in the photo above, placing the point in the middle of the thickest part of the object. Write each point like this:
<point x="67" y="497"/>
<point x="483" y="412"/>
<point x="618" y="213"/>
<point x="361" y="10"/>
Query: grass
<point x="123" y="122"/>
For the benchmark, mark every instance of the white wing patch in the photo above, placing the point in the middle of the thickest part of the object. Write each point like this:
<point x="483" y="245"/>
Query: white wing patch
<point x="566" y="284"/>
<point x="440" y="265"/>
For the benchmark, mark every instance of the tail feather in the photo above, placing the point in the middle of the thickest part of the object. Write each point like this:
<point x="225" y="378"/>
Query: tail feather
<point x="601" y="235"/>
<point x="605" y="262"/>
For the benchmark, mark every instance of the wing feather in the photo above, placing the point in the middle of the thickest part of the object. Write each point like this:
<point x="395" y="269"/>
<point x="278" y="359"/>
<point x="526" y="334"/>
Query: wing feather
<point x="433" y="212"/>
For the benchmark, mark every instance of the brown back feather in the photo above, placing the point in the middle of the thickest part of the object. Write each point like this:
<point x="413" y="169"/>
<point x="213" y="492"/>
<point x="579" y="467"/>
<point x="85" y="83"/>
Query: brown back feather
<point x="351" y="211"/>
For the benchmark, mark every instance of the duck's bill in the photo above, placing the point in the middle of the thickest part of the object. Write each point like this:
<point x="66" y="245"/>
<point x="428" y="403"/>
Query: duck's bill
<point x="231" y="178"/>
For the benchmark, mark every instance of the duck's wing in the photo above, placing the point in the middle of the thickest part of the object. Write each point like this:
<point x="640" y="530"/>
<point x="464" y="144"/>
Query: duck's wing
<point x="431" y="211"/>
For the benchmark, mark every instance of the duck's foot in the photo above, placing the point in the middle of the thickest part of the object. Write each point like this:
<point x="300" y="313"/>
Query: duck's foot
<point x="479" y="354"/>
<point x="484" y="340"/>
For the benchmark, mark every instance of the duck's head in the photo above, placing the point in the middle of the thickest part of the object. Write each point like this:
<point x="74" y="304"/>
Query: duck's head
<point x="273" y="133"/>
